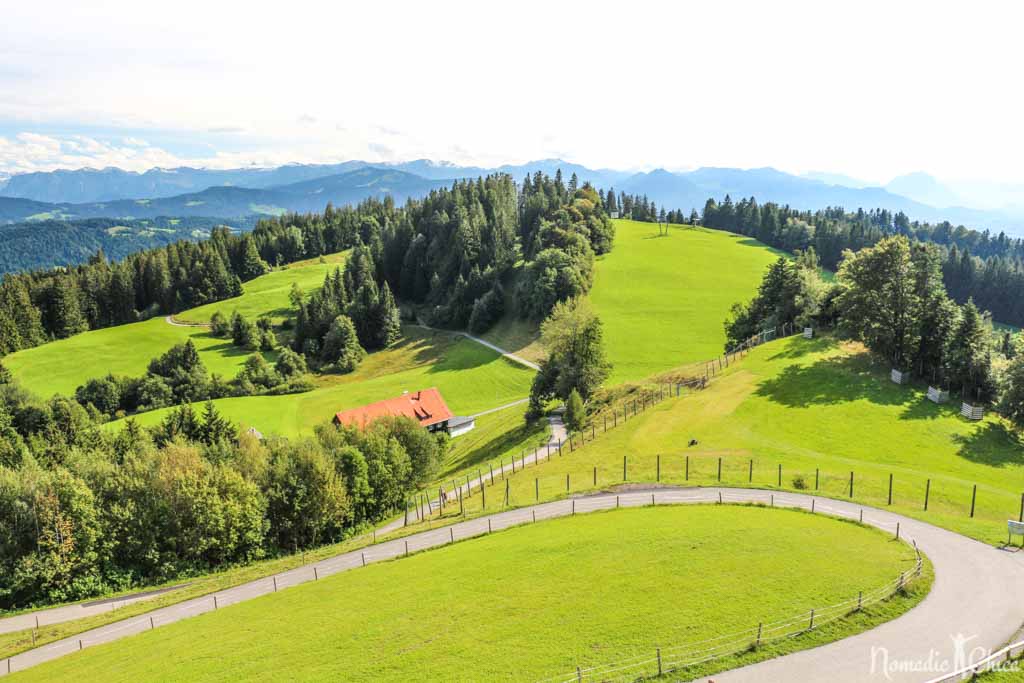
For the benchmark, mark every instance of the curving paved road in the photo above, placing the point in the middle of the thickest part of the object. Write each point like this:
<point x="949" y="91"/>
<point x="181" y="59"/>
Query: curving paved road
<point x="169" y="319"/>
<point x="978" y="590"/>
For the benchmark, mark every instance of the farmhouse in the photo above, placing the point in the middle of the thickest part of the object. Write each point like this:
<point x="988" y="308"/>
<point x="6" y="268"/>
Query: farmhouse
<point x="426" y="406"/>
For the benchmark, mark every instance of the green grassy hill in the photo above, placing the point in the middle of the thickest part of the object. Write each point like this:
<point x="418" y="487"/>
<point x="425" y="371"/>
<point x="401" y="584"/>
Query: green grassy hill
<point x="268" y="295"/>
<point x="663" y="299"/>
<point x="61" y="366"/>
<point x="529" y="602"/>
<point x="471" y="377"/>
<point x="810" y="405"/>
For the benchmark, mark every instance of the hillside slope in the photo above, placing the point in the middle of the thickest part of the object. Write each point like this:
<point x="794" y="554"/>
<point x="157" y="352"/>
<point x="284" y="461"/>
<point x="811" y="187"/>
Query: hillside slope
<point x="663" y="299"/>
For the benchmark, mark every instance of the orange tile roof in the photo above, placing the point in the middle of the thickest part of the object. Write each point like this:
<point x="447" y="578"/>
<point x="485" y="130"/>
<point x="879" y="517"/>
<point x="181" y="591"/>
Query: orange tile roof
<point x="426" y="407"/>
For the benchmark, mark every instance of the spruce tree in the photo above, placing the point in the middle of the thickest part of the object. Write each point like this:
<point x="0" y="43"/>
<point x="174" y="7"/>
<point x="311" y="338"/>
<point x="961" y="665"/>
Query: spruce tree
<point x="388" y="319"/>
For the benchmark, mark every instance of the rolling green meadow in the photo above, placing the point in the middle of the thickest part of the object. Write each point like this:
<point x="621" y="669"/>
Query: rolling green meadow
<point x="63" y="365"/>
<point x="268" y="294"/>
<point x="531" y="601"/>
<point x="471" y="377"/>
<point x="663" y="299"/>
<point x="807" y="405"/>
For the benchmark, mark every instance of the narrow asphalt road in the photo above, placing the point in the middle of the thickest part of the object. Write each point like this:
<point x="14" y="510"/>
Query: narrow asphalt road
<point x="171" y="321"/>
<point x="978" y="591"/>
<point x="57" y="615"/>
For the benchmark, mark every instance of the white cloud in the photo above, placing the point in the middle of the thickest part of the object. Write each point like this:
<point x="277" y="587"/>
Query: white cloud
<point x="871" y="89"/>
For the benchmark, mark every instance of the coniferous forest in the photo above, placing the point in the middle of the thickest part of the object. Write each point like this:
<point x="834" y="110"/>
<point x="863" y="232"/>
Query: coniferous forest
<point x="93" y="511"/>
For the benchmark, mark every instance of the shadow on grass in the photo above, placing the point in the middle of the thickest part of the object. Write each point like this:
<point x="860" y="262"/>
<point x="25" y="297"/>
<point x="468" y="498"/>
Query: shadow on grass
<point x="488" y="451"/>
<point x="802" y="348"/>
<point x="831" y="381"/>
<point x="991" y="443"/>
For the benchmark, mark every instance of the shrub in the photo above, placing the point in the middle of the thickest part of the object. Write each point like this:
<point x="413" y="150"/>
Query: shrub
<point x="487" y="310"/>
<point x="799" y="483"/>
<point x="220" y="326"/>
<point x="575" y="412"/>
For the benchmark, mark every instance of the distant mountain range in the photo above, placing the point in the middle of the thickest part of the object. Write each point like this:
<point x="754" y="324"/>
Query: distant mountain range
<point x="235" y="202"/>
<point x="236" y="193"/>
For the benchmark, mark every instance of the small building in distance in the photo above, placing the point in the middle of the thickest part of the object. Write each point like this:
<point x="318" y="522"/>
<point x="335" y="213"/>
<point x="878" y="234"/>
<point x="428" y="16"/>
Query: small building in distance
<point x="426" y="407"/>
<point x="457" y="426"/>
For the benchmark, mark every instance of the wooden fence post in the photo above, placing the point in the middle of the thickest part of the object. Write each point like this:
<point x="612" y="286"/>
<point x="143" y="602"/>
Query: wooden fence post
<point x="780" y="474"/>
<point x="659" y="661"/>
<point x="851" y="484"/>
<point x="658" y="478"/>
<point x="816" y="478"/>
<point x="483" y="497"/>
<point x="507" y="484"/>
<point x="623" y="468"/>
<point x="687" y="468"/>
<point x="595" y="475"/>
<point x="750" y="477"/>
<point x="757" y="643"/>
<point x="974" y="497"/>
<point x="890" y="489"/>
<point x="810" y="626"/>
<point x="927" y="490"/>
<point x="536" y="488"/>
<point x="1020" y="518"/>
<point x="567" y="482"/>
<point x="719" y="469"/>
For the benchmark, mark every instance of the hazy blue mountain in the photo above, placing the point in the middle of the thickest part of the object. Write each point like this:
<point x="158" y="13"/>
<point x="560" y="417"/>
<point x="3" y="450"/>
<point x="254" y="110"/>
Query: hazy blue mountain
<point x="690" y="190"/>
<point x="89" y="185"/>
<point x="236" y="202"/>
<point x="112" y="184"/>
<point x="923" y="188"/>
<point x="837" y="179"/>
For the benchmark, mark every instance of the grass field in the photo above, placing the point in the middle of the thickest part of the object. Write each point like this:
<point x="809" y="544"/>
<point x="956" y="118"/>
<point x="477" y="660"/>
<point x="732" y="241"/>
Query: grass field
<point x="471" y="377"/>
<point x="663" y="299"/>
<point x="61" y="366"/>
<point x="268" y="295"/>
<point x="809" y="405"/>
<point x="530" y="602"/>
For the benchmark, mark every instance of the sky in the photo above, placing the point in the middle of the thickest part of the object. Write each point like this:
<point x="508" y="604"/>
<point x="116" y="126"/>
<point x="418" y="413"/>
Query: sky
<point x="867" y="89"/>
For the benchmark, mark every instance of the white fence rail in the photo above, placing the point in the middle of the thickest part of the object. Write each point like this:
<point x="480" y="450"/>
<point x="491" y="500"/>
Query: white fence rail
<point x="996" y="661"/>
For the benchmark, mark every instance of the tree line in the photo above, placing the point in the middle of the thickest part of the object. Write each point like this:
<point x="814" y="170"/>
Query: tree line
<point x="87" y="512"/>
<point x="974" y="264"/>
<point x="891" y="297"/>
<point x="449" y="254"/>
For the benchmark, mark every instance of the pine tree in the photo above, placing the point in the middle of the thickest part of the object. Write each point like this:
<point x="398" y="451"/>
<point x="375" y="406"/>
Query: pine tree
<point x="388" y="319"/>
<point x="66" y="313"/>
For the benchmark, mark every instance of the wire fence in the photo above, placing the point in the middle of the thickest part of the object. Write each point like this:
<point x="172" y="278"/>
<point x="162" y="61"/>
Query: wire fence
<point x="425" y="504"/>
<point x="676" y="658"/>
